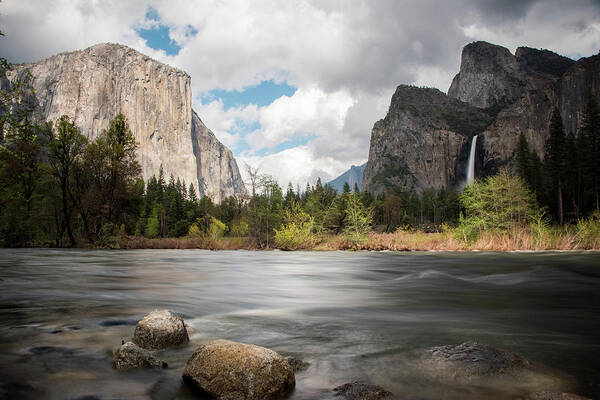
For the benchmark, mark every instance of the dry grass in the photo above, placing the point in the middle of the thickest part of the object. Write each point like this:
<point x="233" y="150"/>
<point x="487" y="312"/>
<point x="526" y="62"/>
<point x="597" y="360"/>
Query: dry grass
<point x="551" y="239"/>
<point x="554" y="238"/>
<point x="229" y="243"/>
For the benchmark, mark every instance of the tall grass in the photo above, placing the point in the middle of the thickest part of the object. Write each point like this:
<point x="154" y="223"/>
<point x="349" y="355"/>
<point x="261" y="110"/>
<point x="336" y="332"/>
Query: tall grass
<point x="539" y="235"/>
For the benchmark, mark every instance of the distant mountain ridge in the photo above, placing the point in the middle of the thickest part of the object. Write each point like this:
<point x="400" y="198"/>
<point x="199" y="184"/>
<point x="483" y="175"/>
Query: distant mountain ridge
<point x="424" y="140"/>
<point x="352" y="176"/>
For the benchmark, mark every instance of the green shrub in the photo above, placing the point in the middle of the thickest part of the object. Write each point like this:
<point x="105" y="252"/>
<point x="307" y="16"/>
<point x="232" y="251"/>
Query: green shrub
<point x="239" y="228"/>
<point x="108" y="237"/>
<point x="500" y="203"/>
<point x="297" y="230"/>
<point x="468" y="230"/>
<point x="358" y="220"/>
<point x="588" y="231"/>
<point x="216" y="229"/>
<point x="195" y="231"/>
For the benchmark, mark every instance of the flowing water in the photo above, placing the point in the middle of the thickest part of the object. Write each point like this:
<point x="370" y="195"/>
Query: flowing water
<point x="471" y="161"/>
<point x="350" y="315"/>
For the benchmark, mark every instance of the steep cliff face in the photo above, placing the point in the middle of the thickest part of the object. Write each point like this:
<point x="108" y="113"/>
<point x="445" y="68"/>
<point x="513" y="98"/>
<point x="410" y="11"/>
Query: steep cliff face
<point x="421" y="143"/>
<point x="489" y="75"/>
<point x="517" y="93"/>
<point x="94" y="85"/>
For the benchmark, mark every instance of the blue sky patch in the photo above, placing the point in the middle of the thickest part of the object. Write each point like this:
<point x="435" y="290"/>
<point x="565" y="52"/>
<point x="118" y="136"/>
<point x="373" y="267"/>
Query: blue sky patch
<point x="262" y="94"/>
<point x="157" y="35"/>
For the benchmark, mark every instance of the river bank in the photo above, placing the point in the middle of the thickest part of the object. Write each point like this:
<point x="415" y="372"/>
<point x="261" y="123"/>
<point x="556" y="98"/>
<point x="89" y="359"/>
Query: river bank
<point x="400" y="240"/>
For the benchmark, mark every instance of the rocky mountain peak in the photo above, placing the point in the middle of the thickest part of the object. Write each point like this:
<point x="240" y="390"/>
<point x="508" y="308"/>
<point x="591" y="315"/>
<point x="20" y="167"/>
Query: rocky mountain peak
<point x="489" y="76"/>
<point x="424" y="140"/>
<point x="93" y="85"/>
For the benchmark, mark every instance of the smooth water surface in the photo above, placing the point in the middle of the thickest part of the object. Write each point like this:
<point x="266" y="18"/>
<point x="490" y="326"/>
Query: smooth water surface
<point x="350" y="315"/>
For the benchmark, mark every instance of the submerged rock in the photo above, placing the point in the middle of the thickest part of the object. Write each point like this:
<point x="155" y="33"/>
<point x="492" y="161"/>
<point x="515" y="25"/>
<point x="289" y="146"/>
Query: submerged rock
<point x="358" y="390"/>
<point x="297" y="364"/>
<point x="129" y="355"/>
<point x="473" y="359"/>
<point x="551" y="395"/>
<point x="475" y="363"/>
<point x="228" y="370"/>
<point x="160" y="329"/>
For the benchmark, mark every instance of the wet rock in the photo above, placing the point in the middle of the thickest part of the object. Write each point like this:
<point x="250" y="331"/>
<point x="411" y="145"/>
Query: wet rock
<point x="553" y="395"/>
<point x="297" y="364"/>
<point x="358" y="390"/>
<point x="118" y="322"/>
<point x="472" y="361"/>
<point x="166" y="388"/>
<point x="228" y="370"/>
<point x="129" y="355"/>
<point x="17" y="390"/>
<point x="160" y="329"/>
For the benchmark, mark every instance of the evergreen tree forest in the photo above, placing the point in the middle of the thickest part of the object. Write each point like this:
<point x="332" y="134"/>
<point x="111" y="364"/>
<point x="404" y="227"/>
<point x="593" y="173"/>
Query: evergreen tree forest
<point x="567" y="182"/>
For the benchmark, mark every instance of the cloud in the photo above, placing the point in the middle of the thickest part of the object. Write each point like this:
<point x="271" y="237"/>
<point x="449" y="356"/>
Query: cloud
<point x="345" y="58"/>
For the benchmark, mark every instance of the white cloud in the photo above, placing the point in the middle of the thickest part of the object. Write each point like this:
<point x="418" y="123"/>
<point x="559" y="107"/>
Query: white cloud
<point x="286" y="166"/>
<point x="345" y="58"/>
<point x="308" y="111"/>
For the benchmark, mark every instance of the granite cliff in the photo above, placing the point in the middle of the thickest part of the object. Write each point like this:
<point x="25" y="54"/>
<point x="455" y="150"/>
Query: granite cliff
<point x="424" y="140"/>
<point x="94" y="85"/>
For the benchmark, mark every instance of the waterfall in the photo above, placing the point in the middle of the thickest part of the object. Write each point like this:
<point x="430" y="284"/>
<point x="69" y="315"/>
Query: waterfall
<point x="471" y="162"/>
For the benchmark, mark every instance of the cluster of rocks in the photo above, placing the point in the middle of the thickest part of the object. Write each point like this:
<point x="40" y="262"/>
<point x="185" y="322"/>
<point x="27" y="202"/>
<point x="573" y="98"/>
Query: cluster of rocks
<point x="158" y="330"/>
<point x="221" y="369"/>
<point x="227" y="370"/>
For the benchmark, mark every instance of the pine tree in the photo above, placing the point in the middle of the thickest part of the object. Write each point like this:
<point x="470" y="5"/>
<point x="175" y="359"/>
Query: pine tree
<point x="523" y="154"/>
<point x="589" y="154"/>
<point x="346" y="187"/>
<point x="555" y="163"/>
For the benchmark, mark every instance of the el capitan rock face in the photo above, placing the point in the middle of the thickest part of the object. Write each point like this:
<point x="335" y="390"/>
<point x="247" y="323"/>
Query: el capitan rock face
<point x="93" y="85"/>
<point x="423" y="142"/>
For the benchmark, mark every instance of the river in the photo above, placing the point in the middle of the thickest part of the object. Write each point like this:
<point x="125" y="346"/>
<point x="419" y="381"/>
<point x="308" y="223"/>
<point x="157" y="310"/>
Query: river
<point x="351" y="315"/>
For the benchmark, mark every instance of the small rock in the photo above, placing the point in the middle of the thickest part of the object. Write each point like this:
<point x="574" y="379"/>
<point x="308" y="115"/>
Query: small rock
<point x="129" y="355"/>
<point x="297" y="364"/>
<point x="228" y="370"/>
<point x="160" y="329"/>
<point x="358" y="390"/>
<point x="553" y="395"/>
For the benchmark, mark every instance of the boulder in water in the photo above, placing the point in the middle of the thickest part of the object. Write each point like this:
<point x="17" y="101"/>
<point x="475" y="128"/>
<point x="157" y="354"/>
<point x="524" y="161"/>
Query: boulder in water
<point x="160" y="329"/>
<point x="552" y="395"/>
<point x="130" y="355"/>
<point x="358" y="390"/>
<point x="228" y="370"/>
<point x="472" y="362"/>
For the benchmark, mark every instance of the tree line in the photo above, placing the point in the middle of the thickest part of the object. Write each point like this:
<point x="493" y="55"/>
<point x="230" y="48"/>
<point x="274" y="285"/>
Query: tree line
<point x="567" y="181"/>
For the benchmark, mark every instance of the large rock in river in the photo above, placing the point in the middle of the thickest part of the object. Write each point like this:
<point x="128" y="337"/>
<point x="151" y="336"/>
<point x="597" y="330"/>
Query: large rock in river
<point x="130" y="355"/>
<point x="160" y="329"/>
<point x="228" y="370"/>
<point x="475" y="363"/>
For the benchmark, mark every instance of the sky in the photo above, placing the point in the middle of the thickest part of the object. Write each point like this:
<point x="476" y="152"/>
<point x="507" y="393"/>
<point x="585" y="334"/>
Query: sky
<point x="294" y="87"/>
